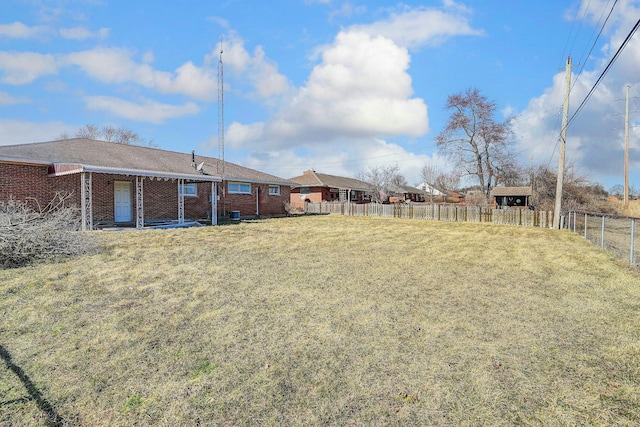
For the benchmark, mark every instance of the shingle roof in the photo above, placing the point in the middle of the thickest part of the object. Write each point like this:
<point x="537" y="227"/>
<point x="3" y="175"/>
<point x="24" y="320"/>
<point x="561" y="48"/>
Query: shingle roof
<point x="512" y="191"/>
<point x="404" y="189"/>
<point x="112" y="157"/>
<point x="314" y="179"/>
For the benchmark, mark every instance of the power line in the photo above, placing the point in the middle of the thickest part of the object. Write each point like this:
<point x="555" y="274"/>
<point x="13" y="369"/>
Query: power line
<point x="605" y="71"/>
<point x="595" y="41"/>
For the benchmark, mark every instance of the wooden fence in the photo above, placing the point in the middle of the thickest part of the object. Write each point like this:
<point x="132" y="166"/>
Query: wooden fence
<point x="435" y="212"/>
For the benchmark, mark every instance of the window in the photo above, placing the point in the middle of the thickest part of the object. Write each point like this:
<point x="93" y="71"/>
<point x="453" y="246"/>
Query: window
<point x="239" y="188"/>
<point x="274" y="190"/>
<point x="190" y="189"/>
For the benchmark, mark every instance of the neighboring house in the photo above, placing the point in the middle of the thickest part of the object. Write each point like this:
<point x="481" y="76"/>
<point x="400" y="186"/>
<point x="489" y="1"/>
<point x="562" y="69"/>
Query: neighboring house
<point x="511" y="196"/>
<point x="455" y="197"/>
<point x="404" y="193"/>
<point x="129" y="185"/>
<point x="429" y="190"/>
<point x="319" y="187"/>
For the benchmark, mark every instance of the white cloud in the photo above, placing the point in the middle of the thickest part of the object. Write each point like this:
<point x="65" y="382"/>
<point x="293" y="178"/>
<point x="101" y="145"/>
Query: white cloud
<point x="23" y="132"/>
<point x="116" y="65"/>
<point x="361" y="89"/>
<point x="6" y="99"/>
<point x="24" y="67"/>
<point x="420" y="26"/>
<point x="242" y="67"/>
<point x="18" y="30"/>
<point x="148" y="111"/>
<point x="347" y="9"/>
<point x="82" y="33"/>
<point x="219" y="21"/>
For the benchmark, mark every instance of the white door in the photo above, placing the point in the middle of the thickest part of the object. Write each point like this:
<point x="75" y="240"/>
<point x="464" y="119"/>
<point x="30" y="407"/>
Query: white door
<point x="122" y="201"/>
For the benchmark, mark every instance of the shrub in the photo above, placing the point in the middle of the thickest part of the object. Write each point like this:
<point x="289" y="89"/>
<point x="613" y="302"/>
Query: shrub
<point x="41" y="234"/>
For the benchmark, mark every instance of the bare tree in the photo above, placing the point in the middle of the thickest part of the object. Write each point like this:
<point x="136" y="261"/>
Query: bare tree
<point x="475" y="141"/>
<point x="578" y="193"/>
<point x="379" y="177"/>
<point x="447" y="181"/>
<point x="109" y="133"/>
<point x="438" y="179"/>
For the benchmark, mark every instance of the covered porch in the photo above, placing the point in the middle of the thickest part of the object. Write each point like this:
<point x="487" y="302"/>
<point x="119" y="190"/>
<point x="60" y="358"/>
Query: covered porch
<point x="129" y="195"/>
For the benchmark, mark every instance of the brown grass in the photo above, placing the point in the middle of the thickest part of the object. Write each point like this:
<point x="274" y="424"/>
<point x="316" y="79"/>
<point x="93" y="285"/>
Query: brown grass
<point x="324" y="321"/>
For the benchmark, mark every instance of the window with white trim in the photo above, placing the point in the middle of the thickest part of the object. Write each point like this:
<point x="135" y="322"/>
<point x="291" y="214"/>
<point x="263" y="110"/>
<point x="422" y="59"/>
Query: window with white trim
<point x="239" y="188"/>
<point x="274" y="190"/>
<point x="190" y="189"/>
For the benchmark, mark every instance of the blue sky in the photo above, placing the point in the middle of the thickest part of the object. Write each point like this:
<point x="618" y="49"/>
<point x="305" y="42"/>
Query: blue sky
<point x="337" y="86"/>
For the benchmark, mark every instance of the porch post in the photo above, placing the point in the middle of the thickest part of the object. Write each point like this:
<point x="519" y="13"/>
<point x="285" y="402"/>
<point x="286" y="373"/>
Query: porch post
<point x="139" y="202"/>
<point x="214" y="203"/>
<point x="180" y="201"/>
<point x="87" y="201"/>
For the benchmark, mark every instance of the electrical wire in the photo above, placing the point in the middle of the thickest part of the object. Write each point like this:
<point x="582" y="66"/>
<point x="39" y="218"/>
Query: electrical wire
<point x="604" y="24"/>
<point x="604" y="72"/>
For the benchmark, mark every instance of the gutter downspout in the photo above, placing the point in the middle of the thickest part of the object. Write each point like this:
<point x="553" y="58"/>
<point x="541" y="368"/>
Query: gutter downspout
<point x="257" y="199"/>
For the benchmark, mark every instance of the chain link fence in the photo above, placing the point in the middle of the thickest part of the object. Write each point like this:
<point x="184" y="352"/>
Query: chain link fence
<point x="619" y="235"/>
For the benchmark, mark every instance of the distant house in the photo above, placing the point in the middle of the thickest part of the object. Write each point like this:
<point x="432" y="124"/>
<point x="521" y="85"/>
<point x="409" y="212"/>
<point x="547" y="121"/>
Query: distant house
<point x="429" y="190"/>
<point x="316" y="187"/>
<point x="132" y="186"/>
<point x="404" y="193"/>
<point x="511" y="196"/>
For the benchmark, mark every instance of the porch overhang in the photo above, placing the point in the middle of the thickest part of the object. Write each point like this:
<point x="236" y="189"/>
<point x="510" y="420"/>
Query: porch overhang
<point x="61" y="169"/>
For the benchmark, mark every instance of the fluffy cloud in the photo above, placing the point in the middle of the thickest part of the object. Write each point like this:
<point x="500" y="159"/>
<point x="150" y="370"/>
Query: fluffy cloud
<point x="18" y="30"/>
<point x="116" y="66"/>
<point x="148" y="111"/>
<point x="24" y="67"/>
<point x="415" y="27"/>
<point x="264" y="80"/>
<point x="361" y="89"/>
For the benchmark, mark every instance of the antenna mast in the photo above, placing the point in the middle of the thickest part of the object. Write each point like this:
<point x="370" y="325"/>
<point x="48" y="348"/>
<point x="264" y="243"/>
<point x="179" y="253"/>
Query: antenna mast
<point x="220" y="163"/>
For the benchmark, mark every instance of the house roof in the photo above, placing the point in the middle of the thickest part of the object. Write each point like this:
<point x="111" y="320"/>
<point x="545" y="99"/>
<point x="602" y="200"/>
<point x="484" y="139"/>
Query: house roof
<point x="404" y="189"/>
<point x="512" y="191"/>
<point x="312" y="178"/>
<point x="87" y="155"/>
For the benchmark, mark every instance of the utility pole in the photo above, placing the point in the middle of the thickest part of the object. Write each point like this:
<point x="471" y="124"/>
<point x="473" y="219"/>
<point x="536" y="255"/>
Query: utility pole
<point x="626" y="150"/>
<point x="563" y="143"/>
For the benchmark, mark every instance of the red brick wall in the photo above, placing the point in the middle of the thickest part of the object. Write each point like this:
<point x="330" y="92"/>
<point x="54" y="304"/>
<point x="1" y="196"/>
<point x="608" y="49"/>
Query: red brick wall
<point x="24" y="182"/>
<point x="246" y="203"/>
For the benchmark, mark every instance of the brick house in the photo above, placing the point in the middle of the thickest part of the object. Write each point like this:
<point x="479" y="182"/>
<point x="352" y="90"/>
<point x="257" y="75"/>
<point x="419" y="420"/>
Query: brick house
<point x="316" y="187"/>
<point x="132" y="185"/>
<point x="404" y="193"/>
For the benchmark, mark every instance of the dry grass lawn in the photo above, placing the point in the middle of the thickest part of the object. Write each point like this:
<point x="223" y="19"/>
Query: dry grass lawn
<point x="324" y="320"/>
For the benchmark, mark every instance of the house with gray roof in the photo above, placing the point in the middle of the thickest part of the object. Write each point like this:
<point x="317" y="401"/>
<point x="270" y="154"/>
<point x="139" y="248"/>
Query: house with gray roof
<point x="316" y="187"/>
<point x="404" y="193"/>
<point x="132" y="185"/>
<point x="518" y="197"/>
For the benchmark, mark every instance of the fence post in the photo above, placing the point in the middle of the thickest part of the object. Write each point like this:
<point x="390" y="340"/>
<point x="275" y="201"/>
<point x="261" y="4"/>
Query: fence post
<point x="602" y="239"/>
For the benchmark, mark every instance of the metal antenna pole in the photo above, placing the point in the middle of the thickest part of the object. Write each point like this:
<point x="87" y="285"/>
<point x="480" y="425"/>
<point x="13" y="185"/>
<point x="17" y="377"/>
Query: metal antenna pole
<point x="220" y="163"/>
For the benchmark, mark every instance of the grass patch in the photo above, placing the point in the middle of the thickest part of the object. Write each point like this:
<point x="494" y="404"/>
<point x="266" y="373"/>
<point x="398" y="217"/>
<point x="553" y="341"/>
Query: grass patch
<point x="326" y="320"/>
